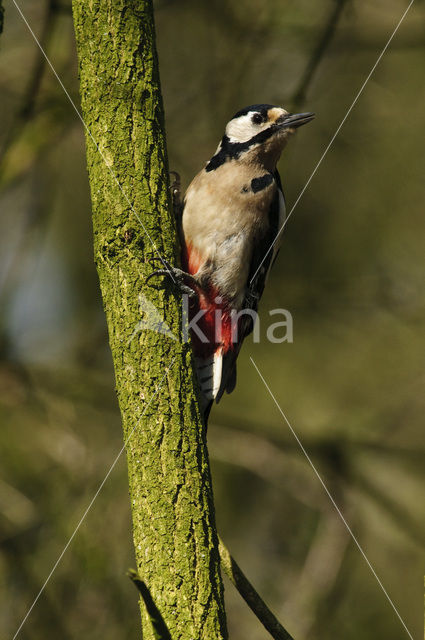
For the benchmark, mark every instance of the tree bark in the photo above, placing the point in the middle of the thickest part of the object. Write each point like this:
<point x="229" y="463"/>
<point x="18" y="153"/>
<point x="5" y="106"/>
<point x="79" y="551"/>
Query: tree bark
<point x="169" y="477"/>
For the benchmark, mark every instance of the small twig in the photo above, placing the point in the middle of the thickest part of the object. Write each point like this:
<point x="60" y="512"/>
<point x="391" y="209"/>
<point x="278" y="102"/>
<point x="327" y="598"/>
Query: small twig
<point x="250" y="595"/>
<point x="318" y="53"/>
<point x="158" y="623"/>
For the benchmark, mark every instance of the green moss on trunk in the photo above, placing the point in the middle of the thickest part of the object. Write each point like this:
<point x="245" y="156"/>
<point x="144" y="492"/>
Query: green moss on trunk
<point x="170" y="485"/>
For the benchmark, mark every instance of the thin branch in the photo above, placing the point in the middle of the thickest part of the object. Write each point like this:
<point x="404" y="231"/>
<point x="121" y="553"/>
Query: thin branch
<point x="318" y="53"/>
<point x="158" y="624"/>
<point x="250" y="595"/>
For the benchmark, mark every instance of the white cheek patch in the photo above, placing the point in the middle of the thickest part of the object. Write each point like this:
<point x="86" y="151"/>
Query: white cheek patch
<point x="243" y="129"/>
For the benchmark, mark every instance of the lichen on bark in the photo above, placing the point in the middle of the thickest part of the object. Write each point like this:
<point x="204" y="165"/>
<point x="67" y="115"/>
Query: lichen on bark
<point x="169" y="477"/>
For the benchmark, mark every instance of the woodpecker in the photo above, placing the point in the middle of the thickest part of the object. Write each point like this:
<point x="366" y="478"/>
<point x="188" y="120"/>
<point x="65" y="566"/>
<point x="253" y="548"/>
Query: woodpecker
<point x="231" y="216"/>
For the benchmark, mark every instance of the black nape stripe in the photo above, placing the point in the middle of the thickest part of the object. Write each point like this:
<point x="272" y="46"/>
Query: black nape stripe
<point x="219" y="158"/>
<point x="258" y="184"/>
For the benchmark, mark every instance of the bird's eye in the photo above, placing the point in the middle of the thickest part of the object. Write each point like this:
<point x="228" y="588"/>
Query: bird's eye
<point x="257" y="118"/>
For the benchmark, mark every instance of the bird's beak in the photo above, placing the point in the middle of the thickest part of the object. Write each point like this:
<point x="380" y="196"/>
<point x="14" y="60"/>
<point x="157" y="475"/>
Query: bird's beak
<point x="294" y="120"/>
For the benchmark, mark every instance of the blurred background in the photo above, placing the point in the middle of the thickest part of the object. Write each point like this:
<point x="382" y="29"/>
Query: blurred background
<point x="350" y="271"/>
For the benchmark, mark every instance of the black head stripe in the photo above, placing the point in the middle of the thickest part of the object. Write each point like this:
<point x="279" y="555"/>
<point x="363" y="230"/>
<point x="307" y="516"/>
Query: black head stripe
<point x="232" y="150"/>
<point x="260" y="108"/>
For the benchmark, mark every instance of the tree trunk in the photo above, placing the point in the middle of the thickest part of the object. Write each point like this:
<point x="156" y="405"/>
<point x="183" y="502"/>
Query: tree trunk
<point x="170" y="486"/>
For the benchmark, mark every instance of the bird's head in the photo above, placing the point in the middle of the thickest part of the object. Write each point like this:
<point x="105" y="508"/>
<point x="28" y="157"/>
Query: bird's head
<point x="259" y="133"/>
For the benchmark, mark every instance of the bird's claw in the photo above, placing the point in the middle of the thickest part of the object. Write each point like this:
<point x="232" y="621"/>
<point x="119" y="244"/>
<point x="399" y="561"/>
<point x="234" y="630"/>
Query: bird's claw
<point x="167" y="269"/>
<point x="175" y="188"/>
<point x="175" y="185"/>
<point x="179" y="277"/>
<point x="153" y="258"/>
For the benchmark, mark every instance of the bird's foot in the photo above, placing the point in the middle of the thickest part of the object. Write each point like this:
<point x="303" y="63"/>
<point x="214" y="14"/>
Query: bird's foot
<point x="185" y="281"/>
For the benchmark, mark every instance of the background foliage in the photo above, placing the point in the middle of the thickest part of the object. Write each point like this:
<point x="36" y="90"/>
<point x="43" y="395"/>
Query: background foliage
<point x="350" y="271"/>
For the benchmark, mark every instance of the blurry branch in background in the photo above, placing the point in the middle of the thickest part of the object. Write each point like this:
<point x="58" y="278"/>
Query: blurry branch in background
<point x="398" y="514"/>
<point x="277" y="463"/>
<point x="267" y="460"/>
<point x="233" y="438"/>
<point x="319" y="574"/>
<point x="281" y="465"/>
<point x="25" y="112"/>
<point x="1" y="16"/>
<point x="28" y="134"/>
<point x="318" y="53"/>
<point x="34" y="223"/>
<point x="250" y="595"/>
<point x="14" y="561"/>
<point x="326" y="552"/>
<point x="21" y="525"/>
<point x="33" y="86"/>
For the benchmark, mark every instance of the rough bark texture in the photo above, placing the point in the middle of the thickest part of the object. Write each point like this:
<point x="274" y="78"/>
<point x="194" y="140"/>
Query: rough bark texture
<point x="170" y="487"/>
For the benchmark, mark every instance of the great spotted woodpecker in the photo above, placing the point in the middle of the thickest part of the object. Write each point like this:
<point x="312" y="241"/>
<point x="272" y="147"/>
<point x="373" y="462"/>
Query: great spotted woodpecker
<point x="232" y="212"/>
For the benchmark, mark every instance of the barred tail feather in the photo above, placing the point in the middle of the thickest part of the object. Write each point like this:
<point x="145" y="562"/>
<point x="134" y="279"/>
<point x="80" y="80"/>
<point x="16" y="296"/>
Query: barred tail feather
<point x="228" y="376"/>
<point x="209" y="372"/>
